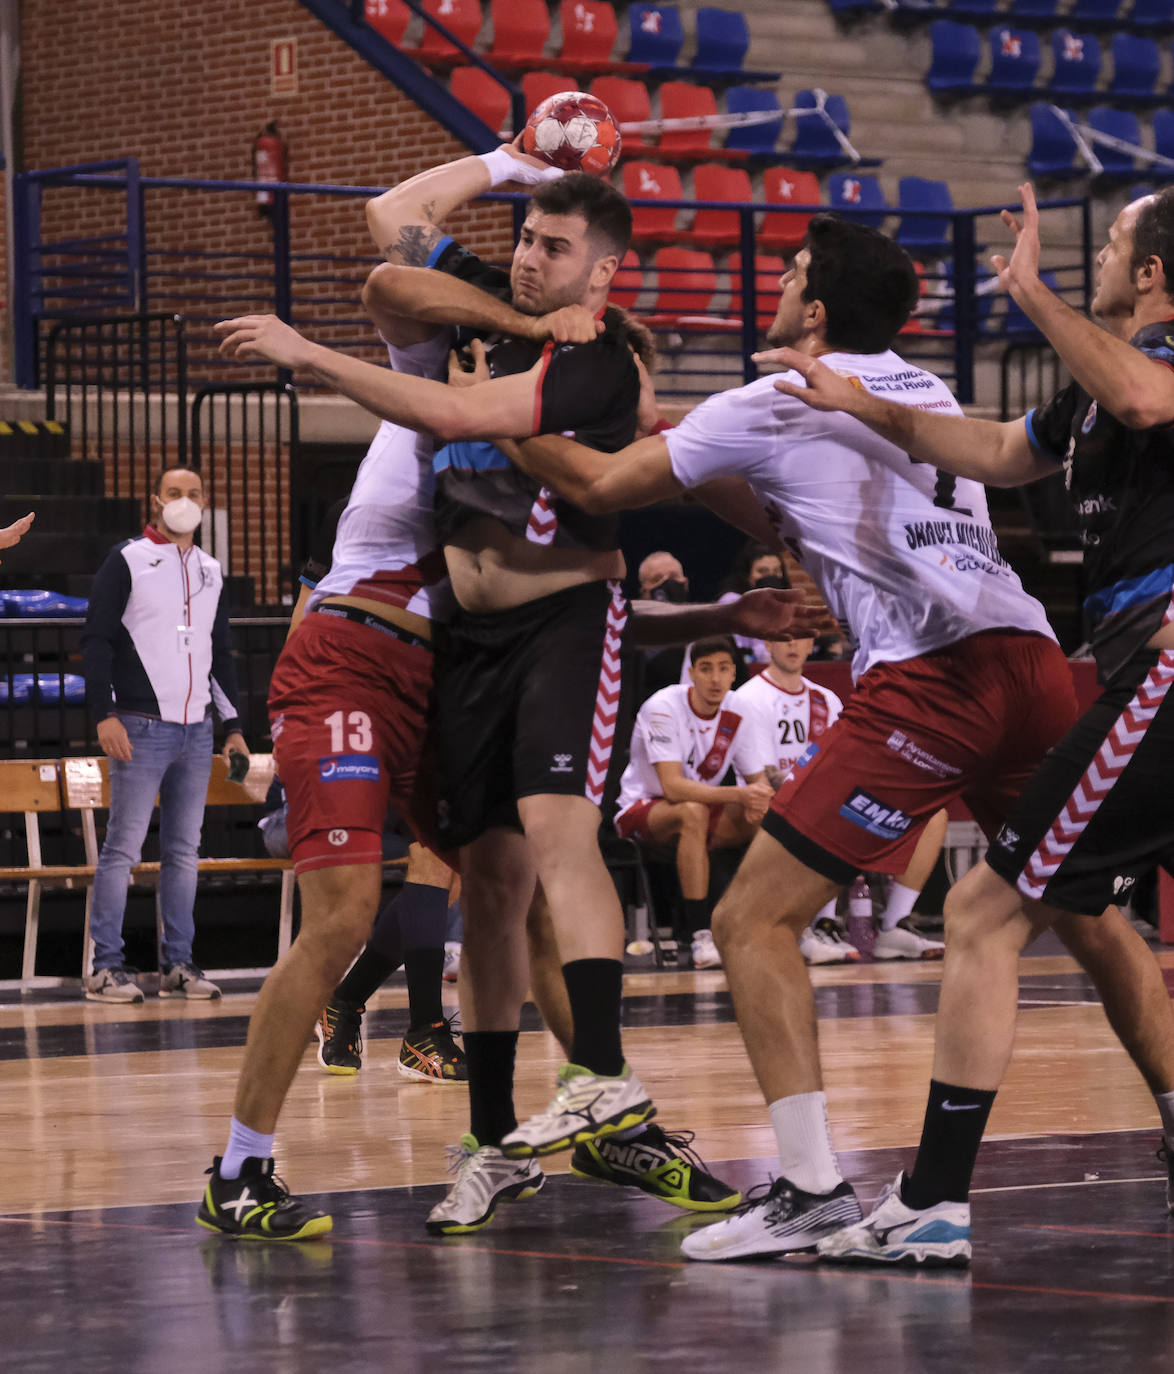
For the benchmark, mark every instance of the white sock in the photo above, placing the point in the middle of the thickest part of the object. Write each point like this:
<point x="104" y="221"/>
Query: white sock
<point x="1165" y="1103"/>
<point x="828" y="910"/>
<point x="899" y="905"/>
<point x="806" y="1157"/>
<point x="243" y="1143"/>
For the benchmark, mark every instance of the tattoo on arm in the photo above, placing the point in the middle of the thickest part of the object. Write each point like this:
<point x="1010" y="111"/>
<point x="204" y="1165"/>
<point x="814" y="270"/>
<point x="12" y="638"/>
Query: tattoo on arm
<point x="414" y="245"/>
<point x="774" y="776"/>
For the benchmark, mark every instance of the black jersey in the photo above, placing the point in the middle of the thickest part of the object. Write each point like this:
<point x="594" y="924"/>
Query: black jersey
<point x="1122" y="485"/>
<point x="589" y="391"/>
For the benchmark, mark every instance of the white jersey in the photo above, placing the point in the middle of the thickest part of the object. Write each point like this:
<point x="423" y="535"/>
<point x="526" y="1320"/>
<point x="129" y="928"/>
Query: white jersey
<point x="669" y="730"/>
<point x="386" y="547"/>
<point x="779" y="722"/>
<point x="902" y="553"/>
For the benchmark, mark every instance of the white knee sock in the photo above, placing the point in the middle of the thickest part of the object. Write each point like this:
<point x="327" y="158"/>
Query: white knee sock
<point x="806" y="1157"/>
<point x="899" y="905"/>
<point x="243" y="1144"/>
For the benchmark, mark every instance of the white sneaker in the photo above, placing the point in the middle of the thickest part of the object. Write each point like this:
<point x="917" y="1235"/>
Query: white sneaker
<point x="824" y="943"/>
<point x="112" y="985"/>
<point x="895" y="1234"/>
<point x="586" y="1105"/>
<point x="903" y="942"/>
<point x="452" y="960"/>
<point x="484" y="1177"/>
<point x="774" y="1222"/>
<point x="705" y="953"/>
<point x="186" y="980"/>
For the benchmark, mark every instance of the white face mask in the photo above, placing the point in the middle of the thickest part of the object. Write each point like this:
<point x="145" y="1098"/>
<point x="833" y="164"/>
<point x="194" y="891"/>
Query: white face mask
<point x="182" y="516"/>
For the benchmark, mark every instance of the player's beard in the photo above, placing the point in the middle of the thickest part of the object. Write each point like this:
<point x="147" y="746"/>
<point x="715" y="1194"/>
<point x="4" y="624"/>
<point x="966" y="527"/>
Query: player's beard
<point x="543" y="301"/>
<point x="782" y="334"/>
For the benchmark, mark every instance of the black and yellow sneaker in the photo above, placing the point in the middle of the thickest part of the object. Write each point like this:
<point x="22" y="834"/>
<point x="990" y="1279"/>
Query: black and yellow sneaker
<point x="258" y="1206"/>
<point x="340" y="1037"/>
<point x="657" y="1163"/>
<point x="431" y="1054"/>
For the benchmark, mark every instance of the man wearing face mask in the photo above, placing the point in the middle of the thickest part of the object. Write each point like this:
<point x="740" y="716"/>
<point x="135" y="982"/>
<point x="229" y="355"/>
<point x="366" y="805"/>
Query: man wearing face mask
<point x="157" y="661"/>
<point x="662" y="578"/>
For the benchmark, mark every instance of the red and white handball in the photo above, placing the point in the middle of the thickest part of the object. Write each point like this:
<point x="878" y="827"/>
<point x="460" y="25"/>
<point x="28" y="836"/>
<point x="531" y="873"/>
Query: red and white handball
<point x="574" y="131"/>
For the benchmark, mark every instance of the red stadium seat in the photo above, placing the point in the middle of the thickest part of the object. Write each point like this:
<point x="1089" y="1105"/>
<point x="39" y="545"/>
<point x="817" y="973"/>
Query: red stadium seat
<point x="712" y="182"/>
<point x="686" y="285"/>
<point x="680" y="100"/>
<point x="461" y="17"/>
<point x="627" y="282"/>
<point x="539" y="86"/>
<point x="590" y="30"/>
<point x="389" y="18"/>
<point x="649" y="181"/>
<point x="782" y="185"/>
<point x="767" y="271"/>
<point x="628" y="102"/>
<point x="520" y="31"/>
<point x="477" y="91"/>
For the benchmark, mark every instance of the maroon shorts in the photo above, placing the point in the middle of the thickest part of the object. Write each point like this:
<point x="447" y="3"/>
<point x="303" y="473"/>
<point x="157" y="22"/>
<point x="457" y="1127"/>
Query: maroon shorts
<point x="972" y="720"/>
<point x="348" y="707"/>
<point x="632" y="824"/>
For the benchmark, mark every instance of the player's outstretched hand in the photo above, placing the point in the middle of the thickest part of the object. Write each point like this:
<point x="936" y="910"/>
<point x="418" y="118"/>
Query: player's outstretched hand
<point x="824" y="389"/>
<point x="14" y="533"/>
<point x="767" y="613"/>
<point x="532" y="171"/>
<point x="1021" y="270"/>
<point x="250" y="337"/>
<point x="568" y="324"/>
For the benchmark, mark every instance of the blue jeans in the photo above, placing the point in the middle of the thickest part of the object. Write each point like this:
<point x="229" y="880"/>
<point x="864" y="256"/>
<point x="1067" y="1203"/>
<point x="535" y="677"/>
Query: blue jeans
<point x="175" y="761"/>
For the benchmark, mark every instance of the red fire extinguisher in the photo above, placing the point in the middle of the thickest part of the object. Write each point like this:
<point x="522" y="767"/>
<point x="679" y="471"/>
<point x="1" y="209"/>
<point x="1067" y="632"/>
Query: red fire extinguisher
<point x="269" y="163"/>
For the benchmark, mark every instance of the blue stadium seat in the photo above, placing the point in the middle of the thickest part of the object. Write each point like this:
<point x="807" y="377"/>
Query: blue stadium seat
<point x="1119" y="124"/>
<point x="918" y="233"/>
<point x="723" y="37"/>
<point x="1014" y="61"/>
<point x="1135" y="69"/>
<point x="69" y="687"/>
<point x="1034" y="13"/>
<point x="955" y="53"/>
<point x="657" y="34"/>
<point x="854" y="191"/>
<point x="815" y="145"/>
<point x="1053" y="149"/>
<point x="757" y="140"/>
<point x="34" y="604"/>
<point x="1163" y="144"/>
<point x="847" y="8"/>
<point x="1152" y="15"/>
<point x="972" y="9"/>
<point x="1015" y="322"/>
<point x="1078" y="65"/>
<point x="1094" y="14"/>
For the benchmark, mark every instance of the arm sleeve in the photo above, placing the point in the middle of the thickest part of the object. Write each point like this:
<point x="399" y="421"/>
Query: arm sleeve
<point x="224" y="693"/>
<point x="658" y="725"/>
<point x="728" y="435"/>
<point x="108" y="598"/>
<point x="753" y="745"/>
<point x="834" y="705"/>
<point x="1049" y="426"/>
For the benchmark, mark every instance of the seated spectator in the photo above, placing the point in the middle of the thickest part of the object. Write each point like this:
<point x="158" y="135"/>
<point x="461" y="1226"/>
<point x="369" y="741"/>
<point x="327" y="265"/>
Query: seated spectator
<point x="662" y="578"/>
<point x="757" y="566"/>
<point x="684" y="741"/>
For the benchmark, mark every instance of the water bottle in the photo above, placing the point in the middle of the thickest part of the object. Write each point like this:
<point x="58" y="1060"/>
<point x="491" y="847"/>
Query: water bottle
<point x="861" y="932"/>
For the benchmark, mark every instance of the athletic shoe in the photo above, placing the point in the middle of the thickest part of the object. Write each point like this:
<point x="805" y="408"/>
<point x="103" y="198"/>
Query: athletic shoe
<point x="775" y="1219"/>
<point x="705" y="953"/>
<point x="1166" y="1155"/>
<point x="658" y="1164"/>
<point x="452" y="960"/>
<point x="432" y="1055"/>
<point x="902" y="941"/>
<point x="893" y="1233"/>
<point x="258" y="1206"/>
<point x="340" y="1037"/>
<point x="112" y="985"/>
<point x="186" y="980"/>
<point x="823" y="942"/>
<point x="484" y="1177"/>
<point x="586" y="1104"/>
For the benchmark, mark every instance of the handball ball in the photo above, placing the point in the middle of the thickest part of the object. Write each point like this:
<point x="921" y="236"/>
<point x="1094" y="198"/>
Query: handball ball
<point x="573" y="131"/>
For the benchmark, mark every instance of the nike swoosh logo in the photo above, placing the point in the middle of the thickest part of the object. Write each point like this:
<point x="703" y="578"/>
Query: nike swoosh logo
<point x="949" y="1106"/>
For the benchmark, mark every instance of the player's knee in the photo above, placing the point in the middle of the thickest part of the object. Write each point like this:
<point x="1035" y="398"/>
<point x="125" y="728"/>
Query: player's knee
<point x="978" y="909"/>
<point x="693" y="819"/>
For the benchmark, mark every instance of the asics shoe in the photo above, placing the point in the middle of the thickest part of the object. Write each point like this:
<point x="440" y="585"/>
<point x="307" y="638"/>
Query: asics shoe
<point x="823" y="942"/>
<point x="903" y="942"/>
<point x="452" y="961"/>
<point x="484" y="1177"/>
<point x="893" y="1233"/>
<point x="186" y="980"/>
<point x="704" y="951"/>
<point x="586" y="1104"/>
<point x="432" y="1055"/>
<point x="258" y="1206"/>
<point x="774" y="1219"/>
<point x="660" y="1165"/>
<point x="112" y="985"/>
<point x="1166" y="1155"/>
<point x="340" y="1037"/>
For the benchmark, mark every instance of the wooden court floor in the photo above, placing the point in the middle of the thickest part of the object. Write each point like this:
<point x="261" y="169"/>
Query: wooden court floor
<point x="112" y="1114"/>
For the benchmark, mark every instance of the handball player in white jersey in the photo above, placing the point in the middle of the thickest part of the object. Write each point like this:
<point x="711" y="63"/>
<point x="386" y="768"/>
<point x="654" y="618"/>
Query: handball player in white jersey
<point x="961" y="687"/>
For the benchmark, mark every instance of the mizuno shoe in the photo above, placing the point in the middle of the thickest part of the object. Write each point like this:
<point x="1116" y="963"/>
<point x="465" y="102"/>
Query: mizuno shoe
<point x="893" y="1233"/>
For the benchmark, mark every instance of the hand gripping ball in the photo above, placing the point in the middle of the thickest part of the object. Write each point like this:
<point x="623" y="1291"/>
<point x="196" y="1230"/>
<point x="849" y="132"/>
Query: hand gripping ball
<point x="573" y="131"/>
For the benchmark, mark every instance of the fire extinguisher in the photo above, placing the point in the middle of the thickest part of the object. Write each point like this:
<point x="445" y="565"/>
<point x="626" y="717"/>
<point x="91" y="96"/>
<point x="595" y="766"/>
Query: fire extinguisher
<point x="269" y="163"/>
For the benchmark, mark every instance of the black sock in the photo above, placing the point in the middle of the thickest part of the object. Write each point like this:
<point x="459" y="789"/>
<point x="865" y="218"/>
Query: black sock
<point x="368" y="973"/>
<point x="425" y="970"/>
<point x="594" y="988"/>
<point x="385" y="933"/>
<point x="490" y="1057"/>
<point x="696" y="914"/>
<point x="955" y="1119"/>
<point x="422" y="913"/>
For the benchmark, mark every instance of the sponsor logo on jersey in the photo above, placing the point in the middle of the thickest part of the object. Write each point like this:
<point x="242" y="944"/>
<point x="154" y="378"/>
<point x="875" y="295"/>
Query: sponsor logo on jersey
<point x="923" y="534"/>
<point x="1121" y="884"/>
<point x="1007" y="838"/>
<point x="562" y="763"/>
<point x="1090" y="418"/>
<point x="338" y="837"/>
<point x="900" y="743"/>
<point x="349" y="768"/>
<point x="806" y="756"/>
<point x="878" y="818"/>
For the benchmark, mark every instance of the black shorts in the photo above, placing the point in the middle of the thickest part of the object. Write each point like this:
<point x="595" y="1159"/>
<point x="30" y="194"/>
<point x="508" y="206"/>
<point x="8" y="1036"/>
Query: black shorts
<point x="1099" y="812"/>
<point x="529" y="701"/>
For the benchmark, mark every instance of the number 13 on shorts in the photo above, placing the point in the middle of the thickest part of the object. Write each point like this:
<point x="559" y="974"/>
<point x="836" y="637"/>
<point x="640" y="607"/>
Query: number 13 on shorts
<point x="349" y="730"/>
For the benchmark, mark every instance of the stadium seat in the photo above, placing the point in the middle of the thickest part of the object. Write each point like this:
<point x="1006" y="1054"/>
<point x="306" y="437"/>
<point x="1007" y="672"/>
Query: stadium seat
<point x="539" y="86"/>
<point x="767" y="270"/>
<point x="1078" y="65"/>
<point x="389" y="18"/>
<point x="1033" y="13"/>
<point x="719" y="228"/>
<point x="955" y="52"/>
<point x="1136" y="62"/>
<point x="918" y="233"/>
<point x="815" y="145"/>
<point x="1053" y="149"/>
<point x="1014" y="322"/>
<point x="682" y="100"/>
<point x="1094" y="14"/>
<point x="460" y="17"/>
<point x="651" y="181"/>
<point x="478" y="91"/>
<point x="858" y="191"/>
<point x="756" y="140"/>
<point x="686" y="281"/>
<point x="1163" y="144"/>
<point x="849" y="8"/>
<point x="1152" y="15"/>
<point x="723" y="37"/>
<point x="520" y="31"/>
<point x="1119" y="124"/>
<point x="783" y="186"/>
<point x="628" y="101"/>
<point x="657" y="35"/>
<point x="1014" y="61"/>
<point x="972" y="9"/>
<point x="627" y="282"/>
<point x="590" y="29"/>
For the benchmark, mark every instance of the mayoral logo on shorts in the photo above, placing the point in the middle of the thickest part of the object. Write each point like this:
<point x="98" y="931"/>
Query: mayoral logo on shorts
<point x="864" y="810"/>
<point x="349" y="768"/>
